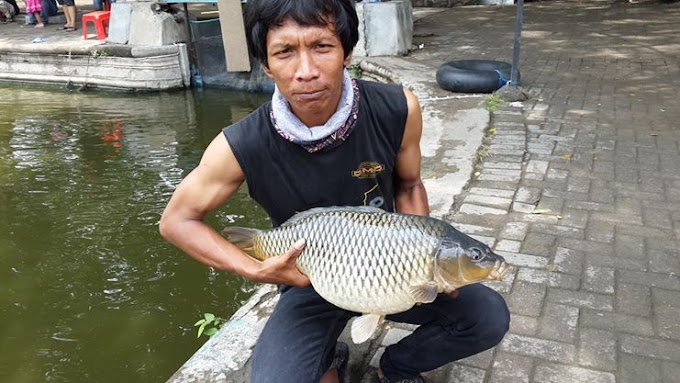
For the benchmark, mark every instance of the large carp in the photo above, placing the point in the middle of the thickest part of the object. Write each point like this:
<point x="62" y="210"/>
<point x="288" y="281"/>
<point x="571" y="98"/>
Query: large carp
<point x="369" y="261"/>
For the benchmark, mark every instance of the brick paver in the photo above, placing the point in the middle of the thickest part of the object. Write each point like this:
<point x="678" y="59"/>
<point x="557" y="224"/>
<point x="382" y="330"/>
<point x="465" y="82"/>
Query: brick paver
<point x="579" y="190"/>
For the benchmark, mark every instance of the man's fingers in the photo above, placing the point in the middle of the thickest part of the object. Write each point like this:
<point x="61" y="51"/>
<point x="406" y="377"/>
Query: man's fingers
<point x="295" y="249"/>
<point x="299" y="244"/>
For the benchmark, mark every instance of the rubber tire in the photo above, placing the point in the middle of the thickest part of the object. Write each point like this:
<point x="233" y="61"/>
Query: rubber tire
<point x="474" y="76"/>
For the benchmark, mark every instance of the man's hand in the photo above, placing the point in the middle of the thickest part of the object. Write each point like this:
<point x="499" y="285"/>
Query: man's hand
<point x="282" y="269"/>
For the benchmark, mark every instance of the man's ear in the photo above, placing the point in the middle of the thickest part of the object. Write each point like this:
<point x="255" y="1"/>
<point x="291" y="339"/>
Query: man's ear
<point x="266" y="70"/>
<point x="348" y="59"/>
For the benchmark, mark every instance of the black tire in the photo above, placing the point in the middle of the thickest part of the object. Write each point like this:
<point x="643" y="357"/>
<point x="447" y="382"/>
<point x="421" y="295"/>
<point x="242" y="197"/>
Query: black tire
<point x="474" y="76"/>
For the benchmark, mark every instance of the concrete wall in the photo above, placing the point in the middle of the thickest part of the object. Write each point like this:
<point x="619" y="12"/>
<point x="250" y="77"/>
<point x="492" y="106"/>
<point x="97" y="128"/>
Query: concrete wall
<point x="442" y="3"/>
<point x="225" y="357"/>
<point x="119" y="67"/>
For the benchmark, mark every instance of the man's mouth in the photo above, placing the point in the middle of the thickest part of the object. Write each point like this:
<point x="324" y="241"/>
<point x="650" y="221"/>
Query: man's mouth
<point x="310" y="96"/>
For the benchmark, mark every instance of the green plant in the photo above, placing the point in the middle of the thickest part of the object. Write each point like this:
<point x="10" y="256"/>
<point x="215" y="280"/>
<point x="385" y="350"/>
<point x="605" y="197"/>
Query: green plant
<point x="355" y="71"/>
<point x="493" y="102"/>
<point x="209" y="325"/>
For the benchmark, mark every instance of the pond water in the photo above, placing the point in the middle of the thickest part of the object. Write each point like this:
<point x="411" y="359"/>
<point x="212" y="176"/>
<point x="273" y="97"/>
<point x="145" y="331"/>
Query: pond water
<point x="89" y="291"/>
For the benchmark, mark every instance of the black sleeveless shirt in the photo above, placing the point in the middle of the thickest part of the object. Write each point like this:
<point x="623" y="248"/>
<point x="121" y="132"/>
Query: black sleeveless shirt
<point x="285" y="179"/>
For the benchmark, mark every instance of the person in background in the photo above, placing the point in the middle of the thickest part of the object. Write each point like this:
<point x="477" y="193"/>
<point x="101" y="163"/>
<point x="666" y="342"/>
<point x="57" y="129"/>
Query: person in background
<point x="99" y="4"/>
<point x="49" y="9"/>
<point x="69" y="7"/>
<point x="14" y="5"/>
<point x="34" y="7"/>
<point x="6" y="12"/>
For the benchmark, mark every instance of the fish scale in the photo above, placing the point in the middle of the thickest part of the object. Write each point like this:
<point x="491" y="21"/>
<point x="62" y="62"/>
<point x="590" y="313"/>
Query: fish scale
<point x="360" y="273"/>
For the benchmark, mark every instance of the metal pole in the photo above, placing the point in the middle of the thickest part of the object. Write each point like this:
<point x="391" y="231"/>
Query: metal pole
<point x="514" y="77"/>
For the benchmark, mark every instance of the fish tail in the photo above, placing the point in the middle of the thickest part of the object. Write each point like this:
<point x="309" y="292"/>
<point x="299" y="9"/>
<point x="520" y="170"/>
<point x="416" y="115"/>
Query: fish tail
<point x="243" y="238"/>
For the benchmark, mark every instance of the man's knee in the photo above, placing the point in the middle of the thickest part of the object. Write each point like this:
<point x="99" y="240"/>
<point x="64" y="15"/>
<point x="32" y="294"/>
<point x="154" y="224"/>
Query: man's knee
<point x="496" y="323"/>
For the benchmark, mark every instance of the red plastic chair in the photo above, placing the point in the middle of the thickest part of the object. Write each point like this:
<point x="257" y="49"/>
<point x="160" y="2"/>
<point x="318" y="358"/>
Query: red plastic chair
<point x="100" y="19"/>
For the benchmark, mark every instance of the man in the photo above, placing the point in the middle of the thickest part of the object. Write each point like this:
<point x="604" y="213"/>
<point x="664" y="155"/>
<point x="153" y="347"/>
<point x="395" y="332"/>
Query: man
<point x="323" y="140"/>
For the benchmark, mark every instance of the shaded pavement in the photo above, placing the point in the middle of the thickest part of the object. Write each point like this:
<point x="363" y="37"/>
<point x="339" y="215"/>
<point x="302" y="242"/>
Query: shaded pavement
<point x="579" y="189"/>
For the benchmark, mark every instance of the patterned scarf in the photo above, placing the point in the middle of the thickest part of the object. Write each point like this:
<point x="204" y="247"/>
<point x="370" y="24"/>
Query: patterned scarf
<point x="326" y="136"/>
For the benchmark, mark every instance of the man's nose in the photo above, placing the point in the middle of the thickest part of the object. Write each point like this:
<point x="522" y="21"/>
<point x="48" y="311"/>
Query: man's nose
<point x="307" y="68"/>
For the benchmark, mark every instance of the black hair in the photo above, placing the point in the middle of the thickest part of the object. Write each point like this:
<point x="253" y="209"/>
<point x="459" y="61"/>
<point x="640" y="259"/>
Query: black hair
<point x="262" y="15"/>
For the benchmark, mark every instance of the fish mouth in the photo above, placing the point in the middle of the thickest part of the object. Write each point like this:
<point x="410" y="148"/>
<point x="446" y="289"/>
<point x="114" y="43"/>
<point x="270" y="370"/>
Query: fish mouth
<point x="499" y="271"/>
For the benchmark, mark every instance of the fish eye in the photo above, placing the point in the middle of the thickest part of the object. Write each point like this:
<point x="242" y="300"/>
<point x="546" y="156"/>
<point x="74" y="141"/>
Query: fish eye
<point x="476" y="254"/>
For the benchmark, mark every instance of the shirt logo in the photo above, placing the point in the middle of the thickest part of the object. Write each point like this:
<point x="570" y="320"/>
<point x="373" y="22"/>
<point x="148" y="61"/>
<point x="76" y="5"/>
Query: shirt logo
<point x="368" y="169"/>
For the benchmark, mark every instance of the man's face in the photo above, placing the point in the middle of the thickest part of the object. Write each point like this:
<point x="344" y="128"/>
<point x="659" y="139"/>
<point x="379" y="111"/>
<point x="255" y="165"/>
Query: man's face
<point x="307" y="63"/>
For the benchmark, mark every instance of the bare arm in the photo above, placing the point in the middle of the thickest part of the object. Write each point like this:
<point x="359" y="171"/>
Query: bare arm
<point x="411" y="196"/>
<point x="217" y="177"/>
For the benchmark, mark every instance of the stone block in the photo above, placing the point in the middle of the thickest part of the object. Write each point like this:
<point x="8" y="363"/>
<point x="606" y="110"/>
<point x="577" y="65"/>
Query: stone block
<point x="650" y="347"/>
<point x="539" y="348"/>
<point x="524" y="260"/>
<point x="633" y="299"/>
<point x="511" y="368"/>
<point x="568" y="261"/>
<point x="466" y="374"/>
<point x="581" y="299"/>
<point x="617" y="322"/>
<point x="496" y="2"/>
<point x="121" y="19"/>
<point x="554" y="373"/>
<point x="526" y="299"/>
<point x="151" y="27"/>
<point x="667" y="310"/>
<point x="597" y="349"/>
<point x="635" y="369"/>
<point x="515" y="230"/>
<point x="558" y="322"/>
<point x="385" y="28"/>
<point x="523" y="325"/>
<point x="599" y="279"/>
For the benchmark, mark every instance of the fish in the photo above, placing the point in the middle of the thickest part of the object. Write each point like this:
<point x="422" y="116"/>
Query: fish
<point x="373" y="262"/>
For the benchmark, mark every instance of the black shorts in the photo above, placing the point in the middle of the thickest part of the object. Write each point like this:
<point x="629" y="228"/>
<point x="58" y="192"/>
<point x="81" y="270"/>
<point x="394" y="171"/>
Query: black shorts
<point x="67" y="3"/>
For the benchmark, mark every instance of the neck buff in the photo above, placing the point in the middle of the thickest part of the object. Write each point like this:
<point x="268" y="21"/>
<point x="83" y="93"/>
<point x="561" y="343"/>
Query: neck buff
<point x="326" y="136"/>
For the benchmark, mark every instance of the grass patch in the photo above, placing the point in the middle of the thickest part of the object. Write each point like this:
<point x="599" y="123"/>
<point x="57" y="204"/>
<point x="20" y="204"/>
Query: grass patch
<point x="493" y="102"/>
<point x="355" y="71"/>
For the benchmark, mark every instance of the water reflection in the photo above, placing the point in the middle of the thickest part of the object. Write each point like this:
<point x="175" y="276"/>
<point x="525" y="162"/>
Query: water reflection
<point x="90" y="290"/>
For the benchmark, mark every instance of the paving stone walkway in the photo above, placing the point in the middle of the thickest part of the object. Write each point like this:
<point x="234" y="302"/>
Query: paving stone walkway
<point x="579" y="190"/>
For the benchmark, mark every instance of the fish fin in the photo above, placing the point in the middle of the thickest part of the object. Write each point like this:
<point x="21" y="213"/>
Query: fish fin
<point x="331" y="209"/>
<point x="242" y="237"/>
<point x="424" y="293"/>
<point x="365" y="326"/>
